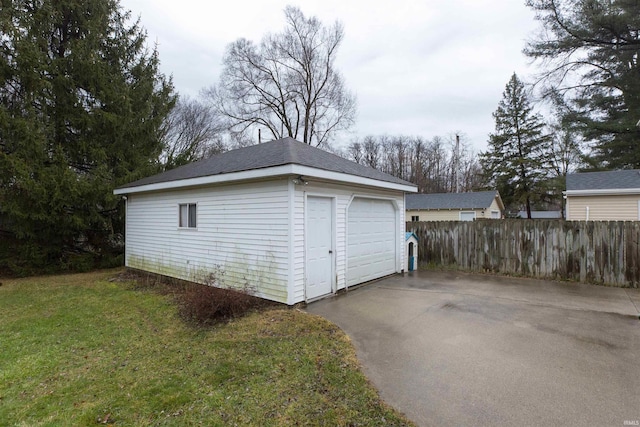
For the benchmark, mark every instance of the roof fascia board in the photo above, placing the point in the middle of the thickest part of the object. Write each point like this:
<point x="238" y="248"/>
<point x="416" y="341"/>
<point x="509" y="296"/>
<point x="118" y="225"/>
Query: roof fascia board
<point x="602" y="192"/>
<point x="308" y="171"/>
<point x="205" y="180"/>
<point x="290" y="169"/>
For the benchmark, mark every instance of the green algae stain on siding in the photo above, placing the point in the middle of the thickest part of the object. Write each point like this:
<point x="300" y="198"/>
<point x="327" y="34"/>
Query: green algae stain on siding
<point x="158" y="266"/>
<point x="258" y="274"/>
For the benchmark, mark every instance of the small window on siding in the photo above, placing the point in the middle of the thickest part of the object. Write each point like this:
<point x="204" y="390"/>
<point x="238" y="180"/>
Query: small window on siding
<point x="188" y="215"/>
<point x="415" y="218"/>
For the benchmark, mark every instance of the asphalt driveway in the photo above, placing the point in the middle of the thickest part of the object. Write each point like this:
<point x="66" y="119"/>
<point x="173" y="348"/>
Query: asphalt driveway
<point x="450" y="348"/>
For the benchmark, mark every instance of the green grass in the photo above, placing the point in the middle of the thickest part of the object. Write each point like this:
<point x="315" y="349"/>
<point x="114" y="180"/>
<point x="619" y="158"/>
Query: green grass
<point x="83" y="350"/>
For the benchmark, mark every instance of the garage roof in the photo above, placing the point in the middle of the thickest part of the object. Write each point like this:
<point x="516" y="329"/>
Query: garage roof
<point x="286" y="151"/>
<point x="475" y="200"/>
<point x="624" y="179"/>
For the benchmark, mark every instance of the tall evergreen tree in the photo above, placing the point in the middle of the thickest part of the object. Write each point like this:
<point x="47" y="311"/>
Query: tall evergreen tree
<point x="515" y="161"/>
<point x="589" y="51"/>
<point x="81" y="105"/>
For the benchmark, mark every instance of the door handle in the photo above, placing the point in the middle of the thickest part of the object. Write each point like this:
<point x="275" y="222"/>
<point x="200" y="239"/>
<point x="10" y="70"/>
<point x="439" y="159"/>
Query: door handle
<point x="330" y="252"/>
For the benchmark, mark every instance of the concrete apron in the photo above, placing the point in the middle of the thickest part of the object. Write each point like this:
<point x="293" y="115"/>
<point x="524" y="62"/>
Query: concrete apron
<point x="449" y="348"/>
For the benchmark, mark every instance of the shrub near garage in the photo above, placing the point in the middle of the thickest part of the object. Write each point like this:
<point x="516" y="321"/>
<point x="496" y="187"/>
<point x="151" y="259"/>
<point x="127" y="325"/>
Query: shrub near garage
<point x="205" y="304"/>
<point x="201" y="304"/>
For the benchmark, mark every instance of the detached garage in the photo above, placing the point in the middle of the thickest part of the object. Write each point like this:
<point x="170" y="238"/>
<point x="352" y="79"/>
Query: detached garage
<point x="293" y="222"/>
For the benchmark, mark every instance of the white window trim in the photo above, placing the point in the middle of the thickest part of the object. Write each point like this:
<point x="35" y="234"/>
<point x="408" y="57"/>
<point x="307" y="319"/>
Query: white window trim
<point x="197" y="220"/>
<point x="417" y="218"/>
<point x="495" y="212"/>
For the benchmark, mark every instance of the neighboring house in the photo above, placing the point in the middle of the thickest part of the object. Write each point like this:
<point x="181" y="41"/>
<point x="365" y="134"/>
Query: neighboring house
<point x="454" y="206"/>
<point x="603" y="196"/>
<point x="291" y="221"/>
<point x="541" y="214"/>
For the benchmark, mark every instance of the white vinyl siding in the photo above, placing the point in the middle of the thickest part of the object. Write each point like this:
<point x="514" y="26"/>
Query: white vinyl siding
<point x="440" y="215"/>
<point x="454" y="214"/>
<point x="343" y="195"/>
<point x="242" y="235"/>
<point x="247" y="233"/>
<point x="434" y="215"/>
<point x="489" y="213"/>
<point x="603" y="208"/>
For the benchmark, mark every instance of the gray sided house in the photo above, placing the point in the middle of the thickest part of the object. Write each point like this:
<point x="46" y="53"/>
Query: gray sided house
<point x="454" y="206"/>
<point x="293" y="222"/>
<point x="603" y="196"/>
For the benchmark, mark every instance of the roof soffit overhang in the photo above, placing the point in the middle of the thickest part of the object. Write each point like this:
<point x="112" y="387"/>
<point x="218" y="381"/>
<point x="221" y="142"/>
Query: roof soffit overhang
<point x="603" y="192"/>
<point x="271" y="172"/>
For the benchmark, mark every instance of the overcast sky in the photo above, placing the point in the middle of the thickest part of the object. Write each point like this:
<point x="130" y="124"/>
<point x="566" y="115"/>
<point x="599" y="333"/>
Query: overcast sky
<point x="430" y="67"/>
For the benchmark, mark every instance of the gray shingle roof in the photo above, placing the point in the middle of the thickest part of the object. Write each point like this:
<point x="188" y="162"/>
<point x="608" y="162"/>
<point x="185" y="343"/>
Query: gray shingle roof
<point x="270" y="154"/>
<point x="603" y="180"/>
<point x="476" y="200"/>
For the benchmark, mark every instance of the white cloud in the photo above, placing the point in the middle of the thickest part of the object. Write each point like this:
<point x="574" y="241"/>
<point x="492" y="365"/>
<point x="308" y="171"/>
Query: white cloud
<point x="418" y="67"/>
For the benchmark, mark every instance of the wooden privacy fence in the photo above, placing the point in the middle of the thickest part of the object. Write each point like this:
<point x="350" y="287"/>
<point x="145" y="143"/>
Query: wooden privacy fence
<point x="604" y="252"/>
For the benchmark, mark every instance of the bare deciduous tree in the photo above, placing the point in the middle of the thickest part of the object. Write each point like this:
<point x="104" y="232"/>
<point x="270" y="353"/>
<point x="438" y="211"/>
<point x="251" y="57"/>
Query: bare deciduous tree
<point x="565" y="156"/>
<point x="287" y="84"/>
<point x="354" y="152"/>
<point x="427" y="163"/>
<point x="191" y="131"/>
<point x="565" y="152"/>
<point x="371" y="151"/>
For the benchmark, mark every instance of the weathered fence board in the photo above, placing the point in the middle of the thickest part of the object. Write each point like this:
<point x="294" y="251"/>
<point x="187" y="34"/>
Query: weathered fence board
<point x="604" y="252"/>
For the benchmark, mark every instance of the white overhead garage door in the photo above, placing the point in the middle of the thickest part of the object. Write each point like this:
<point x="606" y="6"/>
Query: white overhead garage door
<point x="371" y="240"/>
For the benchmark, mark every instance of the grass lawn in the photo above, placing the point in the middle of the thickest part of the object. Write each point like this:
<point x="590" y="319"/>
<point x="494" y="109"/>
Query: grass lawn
<point x="81" y="350"/>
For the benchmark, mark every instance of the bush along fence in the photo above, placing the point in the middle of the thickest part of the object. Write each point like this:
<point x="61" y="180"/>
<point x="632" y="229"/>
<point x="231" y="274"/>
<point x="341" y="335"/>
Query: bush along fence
<point x="602" y="252"/>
